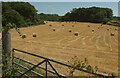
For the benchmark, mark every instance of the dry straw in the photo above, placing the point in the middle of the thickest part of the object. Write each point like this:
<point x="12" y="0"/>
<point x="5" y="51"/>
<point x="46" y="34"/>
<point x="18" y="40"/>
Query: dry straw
<point x="70" y="30"/>
<point x="93" y="30"/>
<point x="72" y="25"/>
<point x="53" y="29"/>
<point x="112" y="34"/>
<point x="34" y="35"/>
<point x="24" y="36"/>
<point x="76" y="33"/>
<point x="50" y="25"/>
<point x="88" y="26"/>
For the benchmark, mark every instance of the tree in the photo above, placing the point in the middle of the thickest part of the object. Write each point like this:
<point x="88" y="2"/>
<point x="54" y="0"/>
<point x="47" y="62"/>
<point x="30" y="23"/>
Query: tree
<point x="49" y="17"/>
<point x="92" y="14"/>
<point x="20" y="13"/>
<point x="14" y="17"/>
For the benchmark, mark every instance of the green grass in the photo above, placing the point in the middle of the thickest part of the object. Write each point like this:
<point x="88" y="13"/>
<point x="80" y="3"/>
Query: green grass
<point x="38" y="70"/>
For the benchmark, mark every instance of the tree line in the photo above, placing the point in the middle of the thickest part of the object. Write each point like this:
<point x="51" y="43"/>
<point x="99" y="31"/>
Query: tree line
<point x="116" y="18"/>
<point x="20" y="13"/>
<point x="24" y="14"/>
<point x="92" y="14"/>
<point x="49" y="17"/>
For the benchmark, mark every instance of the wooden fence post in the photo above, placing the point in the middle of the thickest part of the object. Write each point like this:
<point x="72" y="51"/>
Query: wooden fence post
<point x="6" y="45"/>
<point x="6" y="41"/>
<point x="0" y="55"/>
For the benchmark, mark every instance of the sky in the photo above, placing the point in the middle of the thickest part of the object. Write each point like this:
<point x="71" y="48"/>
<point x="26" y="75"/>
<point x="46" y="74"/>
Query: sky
<point x="61" y="8"/>
<point x="115" y="8"/>
<point x="65" y="0"/>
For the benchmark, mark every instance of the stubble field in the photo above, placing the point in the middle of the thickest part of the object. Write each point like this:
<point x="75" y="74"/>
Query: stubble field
<point x="99" y="47"/>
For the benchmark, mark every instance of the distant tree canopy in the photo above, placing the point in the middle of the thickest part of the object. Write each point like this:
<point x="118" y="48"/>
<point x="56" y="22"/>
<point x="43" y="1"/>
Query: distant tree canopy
<point x="92" y="14"/>
<point x="116" y="18"/>
<point x="49" y="17"/>
<point x="19" y="13"/>
<point x="24" y="14"/>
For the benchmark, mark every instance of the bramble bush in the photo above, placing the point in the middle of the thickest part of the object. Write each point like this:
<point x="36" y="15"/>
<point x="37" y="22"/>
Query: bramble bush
<point x="80" y="64"/>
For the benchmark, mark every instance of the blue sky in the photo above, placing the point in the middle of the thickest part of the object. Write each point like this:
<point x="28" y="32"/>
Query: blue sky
<point x="62" y="8"/>
<point x="114" y="8"/>
<point x="65" y="0"/>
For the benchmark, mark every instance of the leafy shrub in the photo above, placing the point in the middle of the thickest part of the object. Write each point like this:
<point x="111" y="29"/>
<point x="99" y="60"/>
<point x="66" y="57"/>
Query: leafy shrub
<point x="12" y="16"/>
<point x="7" y="69"/>
<point x="105" y="20"/>
<point x="80" y="64"/>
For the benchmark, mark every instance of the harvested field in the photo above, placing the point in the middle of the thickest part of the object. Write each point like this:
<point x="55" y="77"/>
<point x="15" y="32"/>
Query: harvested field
<point x="100" y="48"/>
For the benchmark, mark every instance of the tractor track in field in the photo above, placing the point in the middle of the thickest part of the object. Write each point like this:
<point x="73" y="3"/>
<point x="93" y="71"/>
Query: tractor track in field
<point x="99" y="46"/>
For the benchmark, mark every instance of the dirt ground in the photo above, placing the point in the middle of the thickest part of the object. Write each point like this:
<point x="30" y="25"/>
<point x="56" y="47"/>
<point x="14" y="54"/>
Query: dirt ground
<point x="99" y="47"/>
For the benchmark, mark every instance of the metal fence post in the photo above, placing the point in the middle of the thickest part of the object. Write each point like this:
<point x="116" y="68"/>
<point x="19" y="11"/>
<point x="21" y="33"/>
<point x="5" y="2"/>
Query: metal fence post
<point x="46" y="68"/>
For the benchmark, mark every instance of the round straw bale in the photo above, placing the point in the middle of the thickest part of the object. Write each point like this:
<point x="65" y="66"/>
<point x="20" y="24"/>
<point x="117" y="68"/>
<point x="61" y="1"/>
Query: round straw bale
<point x="53" y="29"/>
<point x="93" y="30"/>
<point x="24" y="36"/>
<point x="76" y="33"/>
<point x="34" y="35"/>
<point x="70" y="30"/>
<point x="72" y="25"/>
<point x="112" y="34"/>
<point x="50" y="25"/>
<point x="88" y="26"/>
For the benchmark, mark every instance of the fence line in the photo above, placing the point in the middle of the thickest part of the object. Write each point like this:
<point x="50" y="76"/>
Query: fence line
<point x="47" y="61"/>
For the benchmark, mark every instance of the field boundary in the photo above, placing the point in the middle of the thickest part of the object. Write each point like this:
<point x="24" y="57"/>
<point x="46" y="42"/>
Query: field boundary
<point x="47" y="61"/>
